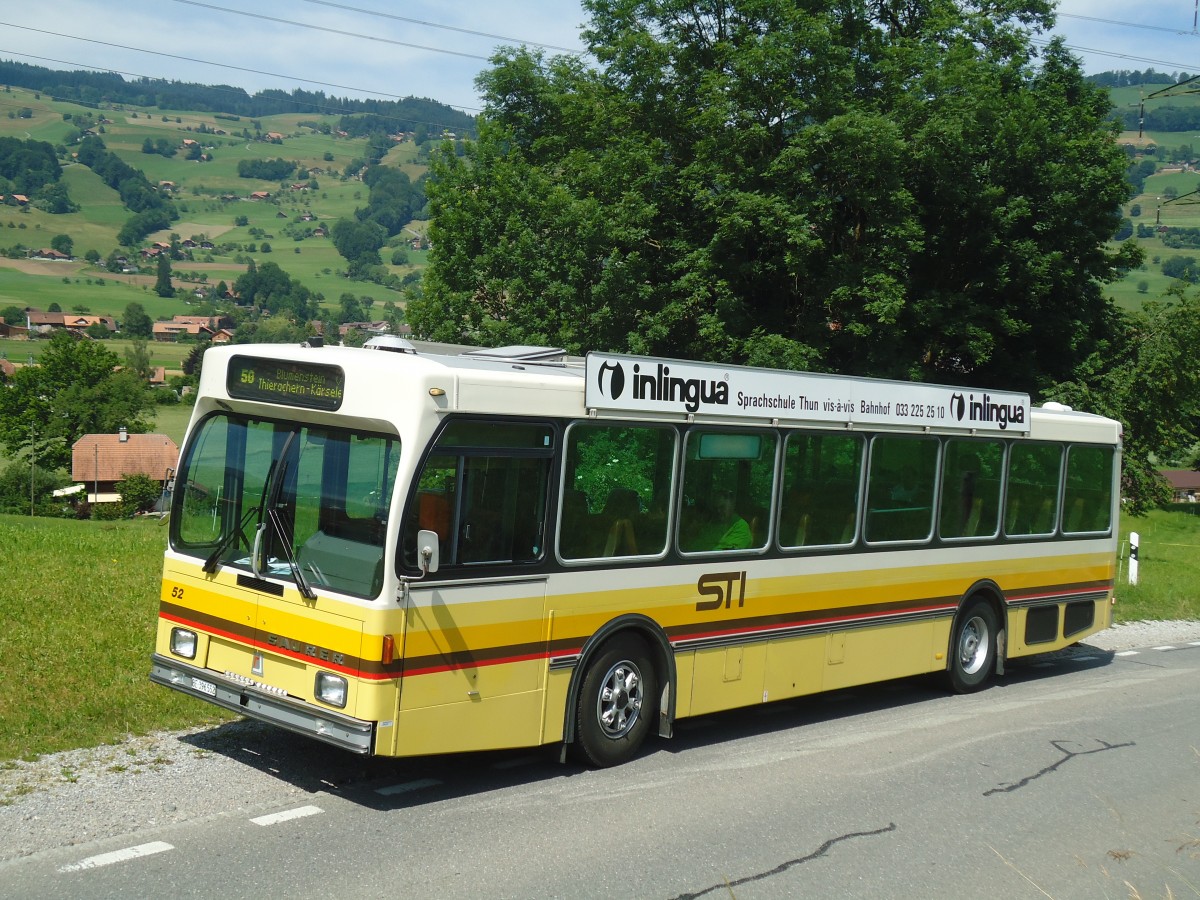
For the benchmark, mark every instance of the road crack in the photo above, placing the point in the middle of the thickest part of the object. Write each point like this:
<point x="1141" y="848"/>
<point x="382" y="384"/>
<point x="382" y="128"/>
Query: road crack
<point x="1068" y="755"/>
<point x="783" y="867"/>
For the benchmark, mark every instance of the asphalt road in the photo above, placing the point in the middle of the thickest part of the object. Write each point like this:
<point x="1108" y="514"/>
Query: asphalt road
<point x="1076" y="775"/>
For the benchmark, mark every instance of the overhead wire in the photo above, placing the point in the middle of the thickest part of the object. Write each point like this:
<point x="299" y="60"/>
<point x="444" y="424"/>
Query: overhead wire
<point x="327" y="29"/>
<point x="426" y="24"/>
<point x="1063" y="15"/>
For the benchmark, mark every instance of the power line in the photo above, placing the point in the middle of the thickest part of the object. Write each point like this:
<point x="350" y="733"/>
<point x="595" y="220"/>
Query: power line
<point x="1117" y="55"/>
<point x="365" y="37"/>
<point x="1063" y="15"/>
<point x="494" y="37"/>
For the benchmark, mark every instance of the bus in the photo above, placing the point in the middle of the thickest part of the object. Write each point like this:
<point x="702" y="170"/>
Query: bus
<point x="406" y="550"/>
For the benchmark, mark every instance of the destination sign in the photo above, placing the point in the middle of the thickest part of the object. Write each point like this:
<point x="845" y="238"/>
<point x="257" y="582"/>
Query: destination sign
<point x="309" y="385"/>
<point x="637" y="384"/>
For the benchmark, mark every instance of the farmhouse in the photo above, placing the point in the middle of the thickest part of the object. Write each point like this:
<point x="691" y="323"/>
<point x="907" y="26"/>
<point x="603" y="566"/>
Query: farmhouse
<point x="99" y="461"/>
<point x="1185" y="484"/>
<point x="172" y="331"/>
<point x="53" y="255"/>
<point x="43" y="323"/>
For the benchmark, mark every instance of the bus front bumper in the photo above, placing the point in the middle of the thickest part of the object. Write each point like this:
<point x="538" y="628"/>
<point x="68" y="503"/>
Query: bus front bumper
<point x="294" y="715"/>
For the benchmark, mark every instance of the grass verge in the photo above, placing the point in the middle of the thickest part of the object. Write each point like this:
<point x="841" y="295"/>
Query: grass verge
<point x="78" y="612"/>
<point x="1169" y="548"/>
<point x="79" y="604"/>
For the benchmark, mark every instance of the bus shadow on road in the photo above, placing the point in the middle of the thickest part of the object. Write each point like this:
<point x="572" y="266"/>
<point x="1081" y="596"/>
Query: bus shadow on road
<point x="387" y="784"/>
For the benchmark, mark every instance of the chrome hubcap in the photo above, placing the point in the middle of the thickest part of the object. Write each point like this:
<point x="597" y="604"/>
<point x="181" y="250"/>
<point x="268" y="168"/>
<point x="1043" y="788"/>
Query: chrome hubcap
<point x="973" y="645"/>
<point x="620" y="699"/>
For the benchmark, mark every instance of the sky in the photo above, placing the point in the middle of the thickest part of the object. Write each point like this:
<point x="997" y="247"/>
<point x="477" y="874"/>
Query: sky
<point x="374" y="48"/>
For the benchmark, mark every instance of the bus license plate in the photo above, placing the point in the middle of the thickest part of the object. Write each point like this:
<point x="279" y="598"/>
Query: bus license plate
<point x="204" y="687"/>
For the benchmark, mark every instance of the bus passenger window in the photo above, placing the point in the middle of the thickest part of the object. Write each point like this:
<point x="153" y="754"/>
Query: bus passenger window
<point x="903" y="472"/>
<point x="617" y="483"/>
<point x="1031" y="507"/>
<point x="971" y="476"/>
<point x="1087" y="505"/>
<point x="728" y="483"/>
<point x="821" y="475"/>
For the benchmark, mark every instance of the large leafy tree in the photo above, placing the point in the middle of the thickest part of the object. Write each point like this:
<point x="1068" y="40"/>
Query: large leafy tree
<point x="74" y="390"/>
<point x="1151" y="383"/>
<point x="885" y="188"/>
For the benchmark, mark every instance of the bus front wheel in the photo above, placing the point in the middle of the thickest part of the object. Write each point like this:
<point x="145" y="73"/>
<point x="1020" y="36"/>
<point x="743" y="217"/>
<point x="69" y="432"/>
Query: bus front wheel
<point x="616" y="703"/>
<point x="972" y="648"/>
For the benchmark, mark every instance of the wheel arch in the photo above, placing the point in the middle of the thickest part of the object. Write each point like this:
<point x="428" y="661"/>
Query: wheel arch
<point x="987" y="590"/>
<point x="662" y="656"/>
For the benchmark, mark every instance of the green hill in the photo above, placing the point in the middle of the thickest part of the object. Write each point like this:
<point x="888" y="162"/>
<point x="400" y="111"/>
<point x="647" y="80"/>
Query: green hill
<point x="211" y="199"/>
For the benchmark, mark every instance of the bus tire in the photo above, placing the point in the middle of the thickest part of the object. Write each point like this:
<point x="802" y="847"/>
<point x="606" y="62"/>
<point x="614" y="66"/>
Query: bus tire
<point x="972" y="647"/>
<point x="616" y="703"/>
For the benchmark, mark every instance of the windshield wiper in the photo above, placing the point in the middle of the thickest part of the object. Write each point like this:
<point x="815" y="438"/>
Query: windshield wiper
<point x="210" y="564"/>
<point x="285" y="538"/>
<point x="281" y="530"/>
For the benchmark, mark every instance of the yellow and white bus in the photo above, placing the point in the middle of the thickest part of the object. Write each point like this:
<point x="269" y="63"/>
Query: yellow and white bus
<point x="405" y="552"/>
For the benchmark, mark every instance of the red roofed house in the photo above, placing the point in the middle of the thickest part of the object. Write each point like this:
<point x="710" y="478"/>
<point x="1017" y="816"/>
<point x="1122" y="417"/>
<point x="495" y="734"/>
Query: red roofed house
<point x="1185" y="484"/>
<point x="99" y="461"/>
<point x="172" y="331"/>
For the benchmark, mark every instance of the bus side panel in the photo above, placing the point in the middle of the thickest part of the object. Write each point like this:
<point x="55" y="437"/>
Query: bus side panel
<point x="728" y="677"/>
<point x="474" y="667"/>
<point x="867" y="655"/>
<point x="468" y="642"/>
<point x="794" y="667"/>
<point x="495" y="723"/>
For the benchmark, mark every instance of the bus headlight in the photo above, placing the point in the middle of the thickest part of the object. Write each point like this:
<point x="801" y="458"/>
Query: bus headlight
<point x="331" y="689"/>
<point x="183" y="643"/>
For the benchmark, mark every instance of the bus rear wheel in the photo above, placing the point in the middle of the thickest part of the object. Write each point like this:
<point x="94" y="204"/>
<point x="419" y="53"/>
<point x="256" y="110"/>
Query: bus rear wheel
<point x="972" y="648"/>
<point x="616" y="703"/>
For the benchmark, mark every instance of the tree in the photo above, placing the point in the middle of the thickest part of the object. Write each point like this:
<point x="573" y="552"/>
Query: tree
<point x="845" y="187"/>
<point x="13" y="315"/>
<point x="195" y="360"/>
<point x="136" y="322"/>
<point x="358" y="243"/>
<point x="1150" y="381"/>
<point x="74" y="390"/>
<point x="63" y="243"/>
<point x="162" y="283"/>
<point x="137" y="358"/>
<point x="350" y="309"/>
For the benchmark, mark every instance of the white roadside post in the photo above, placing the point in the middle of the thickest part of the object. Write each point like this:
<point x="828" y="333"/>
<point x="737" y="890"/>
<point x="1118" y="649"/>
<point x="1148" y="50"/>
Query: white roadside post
<point x="1133" y="557"/>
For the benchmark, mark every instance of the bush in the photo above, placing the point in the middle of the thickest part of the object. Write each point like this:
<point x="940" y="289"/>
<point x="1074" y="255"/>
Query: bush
<point x="138" y="493"/>
<point x="108" y="512"/>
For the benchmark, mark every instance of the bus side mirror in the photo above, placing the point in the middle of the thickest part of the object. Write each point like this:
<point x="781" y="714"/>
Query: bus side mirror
<point x="427" y="551"/>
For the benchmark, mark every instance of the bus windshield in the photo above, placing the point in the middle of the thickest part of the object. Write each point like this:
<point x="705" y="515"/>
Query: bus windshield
<point x="287" y="500"/>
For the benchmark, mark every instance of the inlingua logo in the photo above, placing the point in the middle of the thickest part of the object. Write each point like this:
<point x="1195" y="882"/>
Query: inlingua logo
<point x="986" y="409"/>
<point x="615" y="378"/>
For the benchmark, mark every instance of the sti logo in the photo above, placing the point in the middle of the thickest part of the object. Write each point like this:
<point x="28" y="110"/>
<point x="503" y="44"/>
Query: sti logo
<point x="614" y="375"/>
